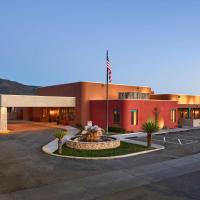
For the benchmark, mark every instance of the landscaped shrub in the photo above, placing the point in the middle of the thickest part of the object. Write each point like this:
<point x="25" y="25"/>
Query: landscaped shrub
<point x="59" y="134"/>
<point x="116" y="129"/>
<point x="150" y="127"/>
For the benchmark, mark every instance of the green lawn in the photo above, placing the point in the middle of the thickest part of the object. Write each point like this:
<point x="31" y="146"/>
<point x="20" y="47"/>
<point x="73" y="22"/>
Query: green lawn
<point x="125" y="148"/>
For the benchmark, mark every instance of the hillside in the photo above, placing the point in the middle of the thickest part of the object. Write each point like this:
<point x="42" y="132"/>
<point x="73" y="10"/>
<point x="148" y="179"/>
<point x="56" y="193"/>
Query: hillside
<point x="12" y="87"/>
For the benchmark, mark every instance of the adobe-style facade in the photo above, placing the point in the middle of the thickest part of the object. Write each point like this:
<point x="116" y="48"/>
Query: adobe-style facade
<point x="188" y="107"/>
<point x="131" y="114"/>
<point x="84" y="92"/>
<point x="129" y="106"/>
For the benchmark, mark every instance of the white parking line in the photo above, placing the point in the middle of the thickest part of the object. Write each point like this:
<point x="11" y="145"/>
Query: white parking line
<point x="179" y="141"/>
<point x="165" y="142"/>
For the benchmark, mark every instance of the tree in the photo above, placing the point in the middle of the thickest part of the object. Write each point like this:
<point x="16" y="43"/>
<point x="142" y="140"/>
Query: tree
<point x="150" y="127"/>
<point x="60" y="133"/>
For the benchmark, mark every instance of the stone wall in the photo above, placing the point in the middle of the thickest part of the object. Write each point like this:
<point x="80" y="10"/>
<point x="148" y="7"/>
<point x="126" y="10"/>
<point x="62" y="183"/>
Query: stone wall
<point x="93" y="145"/>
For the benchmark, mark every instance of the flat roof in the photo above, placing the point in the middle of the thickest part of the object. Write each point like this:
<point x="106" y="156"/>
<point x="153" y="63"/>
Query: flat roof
<point x="134" y="100"/>
<point x="189" y="105"/>
<point x="96" y="83"/>
<point x="191" y="95"/>
<point x="36" y="101"/>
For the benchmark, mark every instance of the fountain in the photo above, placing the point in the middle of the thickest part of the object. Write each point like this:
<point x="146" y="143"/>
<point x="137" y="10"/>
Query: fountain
<point x="92" y="138"/>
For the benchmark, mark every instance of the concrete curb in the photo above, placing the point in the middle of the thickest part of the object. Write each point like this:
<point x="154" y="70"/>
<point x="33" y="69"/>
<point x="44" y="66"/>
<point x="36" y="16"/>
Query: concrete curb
<point x="108" y="157"/>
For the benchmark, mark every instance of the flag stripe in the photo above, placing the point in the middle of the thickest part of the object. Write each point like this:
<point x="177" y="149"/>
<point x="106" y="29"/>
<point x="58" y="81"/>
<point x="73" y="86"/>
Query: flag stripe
<point x="109" y="68"/>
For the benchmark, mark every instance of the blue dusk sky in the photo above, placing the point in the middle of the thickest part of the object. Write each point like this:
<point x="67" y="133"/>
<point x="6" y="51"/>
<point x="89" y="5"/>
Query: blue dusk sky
<point x="153" y="43"/>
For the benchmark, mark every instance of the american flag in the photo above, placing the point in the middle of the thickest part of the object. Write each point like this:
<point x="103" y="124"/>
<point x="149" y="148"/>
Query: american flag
<point x="109" y="69"/>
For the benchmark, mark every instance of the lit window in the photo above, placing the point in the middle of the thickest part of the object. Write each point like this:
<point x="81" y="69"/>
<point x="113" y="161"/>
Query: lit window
<point x="116" y="116"/>
<point x="134" y="117"/>
<point x="173" y="115"/>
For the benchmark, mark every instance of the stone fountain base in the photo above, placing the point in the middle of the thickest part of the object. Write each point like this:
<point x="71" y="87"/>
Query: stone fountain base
<point x="110" y="143"/>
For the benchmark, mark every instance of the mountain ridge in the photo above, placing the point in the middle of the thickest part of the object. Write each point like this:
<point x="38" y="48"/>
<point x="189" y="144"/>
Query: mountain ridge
<point x="14" y="87"/>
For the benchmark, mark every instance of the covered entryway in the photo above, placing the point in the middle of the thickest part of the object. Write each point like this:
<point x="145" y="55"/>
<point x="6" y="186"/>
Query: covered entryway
<point x="189" y="115"/>
<point x="29" y="101"/>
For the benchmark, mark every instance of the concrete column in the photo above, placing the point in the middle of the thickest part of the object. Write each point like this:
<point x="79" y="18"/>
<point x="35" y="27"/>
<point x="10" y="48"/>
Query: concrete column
<point x="3" y="119"/>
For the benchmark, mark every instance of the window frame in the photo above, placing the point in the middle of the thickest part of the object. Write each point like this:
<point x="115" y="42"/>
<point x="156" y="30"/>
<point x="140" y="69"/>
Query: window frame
<point x="116" y="120"/>
<point x="134" y="122"/>
<point x="173" y="115"/>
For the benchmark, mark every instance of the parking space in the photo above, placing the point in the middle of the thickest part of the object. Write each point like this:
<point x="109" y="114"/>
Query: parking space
<point x="179" y="138"/>
<point x="175" y="141"/>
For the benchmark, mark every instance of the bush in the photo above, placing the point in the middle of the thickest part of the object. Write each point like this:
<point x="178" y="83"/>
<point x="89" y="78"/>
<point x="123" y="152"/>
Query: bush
<point x="116" y="129"/>
<point x="60" y="133"/>
<point x="150" y="127"/>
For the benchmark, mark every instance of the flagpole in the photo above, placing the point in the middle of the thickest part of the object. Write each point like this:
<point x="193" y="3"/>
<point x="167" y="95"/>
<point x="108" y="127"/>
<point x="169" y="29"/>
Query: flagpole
<point x="108" y="80"/>
<point x="107" y="101"/>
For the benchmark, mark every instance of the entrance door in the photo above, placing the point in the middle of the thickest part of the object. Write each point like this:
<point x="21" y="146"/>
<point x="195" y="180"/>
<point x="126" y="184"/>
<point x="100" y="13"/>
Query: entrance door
<point x="53" y="115"/>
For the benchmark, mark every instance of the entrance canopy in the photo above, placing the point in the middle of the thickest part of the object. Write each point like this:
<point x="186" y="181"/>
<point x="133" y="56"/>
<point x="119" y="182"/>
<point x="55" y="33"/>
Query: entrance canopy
<point x="36" y="101"/>
<point x="30" y="101"/>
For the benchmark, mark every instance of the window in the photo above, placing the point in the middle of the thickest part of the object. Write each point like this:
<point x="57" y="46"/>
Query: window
<point x="44" y="112"/>
<point x="173" y="115"/>
<point x="133" y="95"/>
<point x="134" y="117"/>
<point x="63" y="115"/>
<point x="116" y="116"/>
<point x="71" y="114"/>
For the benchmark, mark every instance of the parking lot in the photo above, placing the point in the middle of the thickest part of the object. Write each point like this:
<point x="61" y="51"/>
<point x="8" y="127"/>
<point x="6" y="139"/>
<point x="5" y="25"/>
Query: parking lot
<point x="178" y="138"/>
<point x="179" y="144"/>
<point x="28" y="173"/>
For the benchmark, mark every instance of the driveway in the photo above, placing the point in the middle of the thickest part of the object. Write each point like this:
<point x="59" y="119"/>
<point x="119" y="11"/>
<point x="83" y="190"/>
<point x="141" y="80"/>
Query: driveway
<point x="21" y="126"/>
<point x="27" y="173"/>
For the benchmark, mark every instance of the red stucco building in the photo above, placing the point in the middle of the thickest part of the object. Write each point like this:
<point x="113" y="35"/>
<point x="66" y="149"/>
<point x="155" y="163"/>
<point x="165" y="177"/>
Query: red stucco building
<point x="131" y="114"/>
<point x="129" y="106"/>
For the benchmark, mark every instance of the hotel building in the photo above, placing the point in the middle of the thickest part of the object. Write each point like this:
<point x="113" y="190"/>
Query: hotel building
<point x="80" y="102"/>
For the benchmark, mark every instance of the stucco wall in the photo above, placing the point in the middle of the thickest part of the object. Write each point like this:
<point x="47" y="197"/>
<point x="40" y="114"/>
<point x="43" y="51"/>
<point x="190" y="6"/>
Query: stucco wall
<point x="145" y="112"/>
<point x="86" y="91"/>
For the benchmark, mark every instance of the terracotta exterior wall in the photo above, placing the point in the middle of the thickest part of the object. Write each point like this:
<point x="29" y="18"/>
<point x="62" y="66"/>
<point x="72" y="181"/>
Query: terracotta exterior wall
<point x="27" y="113"/>
<point x="182" y="99"/>
<point x="36" y="114"/>
<point x="86" y="91"/>
<point x="68" y="90"/>
<point x="32" y="114"/>
<point x="146" y="111"/>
